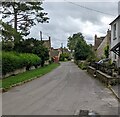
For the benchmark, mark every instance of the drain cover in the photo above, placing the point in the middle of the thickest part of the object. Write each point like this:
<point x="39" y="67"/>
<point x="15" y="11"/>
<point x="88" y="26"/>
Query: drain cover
<point x="88" y="113"/>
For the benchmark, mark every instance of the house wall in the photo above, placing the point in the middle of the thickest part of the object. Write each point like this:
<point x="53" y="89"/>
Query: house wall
<point x="114" y="40"/>
<point x="97" y="42"/>
<point x="105" y="42"/>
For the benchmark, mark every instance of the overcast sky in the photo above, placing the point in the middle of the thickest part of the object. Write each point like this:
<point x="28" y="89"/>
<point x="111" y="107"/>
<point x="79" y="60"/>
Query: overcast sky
<point x="67" y="18"/>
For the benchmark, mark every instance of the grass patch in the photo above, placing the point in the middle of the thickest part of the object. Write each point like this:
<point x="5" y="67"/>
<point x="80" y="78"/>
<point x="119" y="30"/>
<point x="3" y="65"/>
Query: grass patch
<point x="6" y="83"/>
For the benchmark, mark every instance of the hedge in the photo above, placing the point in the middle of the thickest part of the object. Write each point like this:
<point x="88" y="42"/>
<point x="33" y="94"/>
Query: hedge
<point x="12" y="61"/>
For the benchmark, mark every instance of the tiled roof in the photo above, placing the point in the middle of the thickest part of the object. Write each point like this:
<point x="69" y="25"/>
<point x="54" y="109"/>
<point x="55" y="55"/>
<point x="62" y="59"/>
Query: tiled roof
<point x="98" y="41"/>
<point x="54" y="52"/>
<point x="47" y="43"/>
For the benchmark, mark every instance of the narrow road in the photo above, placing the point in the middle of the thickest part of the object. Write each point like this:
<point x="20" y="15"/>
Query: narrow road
<point x="61" y="92"/>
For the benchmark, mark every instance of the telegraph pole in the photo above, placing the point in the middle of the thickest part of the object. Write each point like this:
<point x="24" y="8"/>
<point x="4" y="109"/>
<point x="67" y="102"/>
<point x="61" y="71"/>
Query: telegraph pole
<point x="41" y="35"/>
<point x="62" y="47"/>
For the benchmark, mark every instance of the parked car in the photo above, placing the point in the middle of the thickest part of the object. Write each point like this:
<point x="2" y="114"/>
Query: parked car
<point x="103" y="61"/>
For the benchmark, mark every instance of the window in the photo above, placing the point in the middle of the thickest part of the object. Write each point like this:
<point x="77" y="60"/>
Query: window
<point x="114" y="31"/>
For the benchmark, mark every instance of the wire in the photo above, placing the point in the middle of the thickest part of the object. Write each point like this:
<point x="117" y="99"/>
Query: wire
<point x="89" y="8"/>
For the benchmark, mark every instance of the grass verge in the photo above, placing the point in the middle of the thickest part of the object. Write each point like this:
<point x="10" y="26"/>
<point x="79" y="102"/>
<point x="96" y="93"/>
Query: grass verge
<point x="33" y="74"/>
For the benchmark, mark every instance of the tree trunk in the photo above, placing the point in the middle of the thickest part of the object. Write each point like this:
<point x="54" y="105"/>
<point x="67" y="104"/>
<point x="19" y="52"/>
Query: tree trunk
<point x="15" y="21"/>
<point x="15" y="17"/>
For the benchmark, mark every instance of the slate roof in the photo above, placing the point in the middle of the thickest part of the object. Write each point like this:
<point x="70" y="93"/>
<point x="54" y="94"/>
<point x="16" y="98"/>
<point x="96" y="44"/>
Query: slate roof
<point x="115" y="19"/>
<point x="54" y="52"/>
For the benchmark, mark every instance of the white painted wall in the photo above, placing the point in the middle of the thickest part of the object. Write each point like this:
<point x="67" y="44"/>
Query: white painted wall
<point x="115" y="41"/>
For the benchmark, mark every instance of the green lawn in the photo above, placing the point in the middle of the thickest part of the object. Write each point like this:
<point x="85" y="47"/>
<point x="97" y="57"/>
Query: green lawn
<point x="6" y="83"/>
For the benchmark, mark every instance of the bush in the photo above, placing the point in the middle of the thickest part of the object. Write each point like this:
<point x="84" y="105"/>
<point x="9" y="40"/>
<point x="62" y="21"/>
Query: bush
<point x="82" y="65"/>
<point x="64" y="57"/>
<point x="12" y="61"/>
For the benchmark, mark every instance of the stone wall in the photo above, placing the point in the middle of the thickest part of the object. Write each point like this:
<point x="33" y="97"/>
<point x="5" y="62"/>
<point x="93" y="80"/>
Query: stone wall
<point x="14" y="72"/>
<point x="104" y="43"/>
<point x="91" y="70"/>
<point x="102" y="76"/>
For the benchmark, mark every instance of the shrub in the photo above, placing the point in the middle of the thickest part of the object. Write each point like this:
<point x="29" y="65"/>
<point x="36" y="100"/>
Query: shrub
<point x="83" y="65"/>
<point x="64" y="57"/>
<point x="12" y="61"/>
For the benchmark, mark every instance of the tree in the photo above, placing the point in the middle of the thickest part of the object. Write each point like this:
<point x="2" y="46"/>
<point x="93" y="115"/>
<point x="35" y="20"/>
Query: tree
<point x="73" y="40"/>
<point x="9" y="33"/>
<point x="82" y="50"/>
<point x="79" y="45"/>
<point x="106" y="51"/>
<point x="23" y="15"/>
<point x="34" y="46"/>
<point x="64" y="56"/>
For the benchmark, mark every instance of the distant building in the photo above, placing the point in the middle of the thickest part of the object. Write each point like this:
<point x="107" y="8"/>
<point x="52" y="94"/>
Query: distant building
<point x="47" y="43"/>
<point x="55" y="54"/>
<point x="105" y="41"/>
<point x="115" y="40"/>
<point x="98" y="41"/>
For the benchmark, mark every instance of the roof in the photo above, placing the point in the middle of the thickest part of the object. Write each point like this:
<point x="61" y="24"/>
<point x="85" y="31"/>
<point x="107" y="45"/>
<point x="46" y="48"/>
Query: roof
<point x="115" y="19"/>
<point x="54" y="52"/>
<point x="47" y="43"/>
<point x="98" y="41"/>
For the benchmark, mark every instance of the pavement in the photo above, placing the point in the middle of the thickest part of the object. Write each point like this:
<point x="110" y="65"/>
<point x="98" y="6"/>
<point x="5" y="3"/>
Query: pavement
<point x="63" y="91"/>
<point x="116" y="89"/>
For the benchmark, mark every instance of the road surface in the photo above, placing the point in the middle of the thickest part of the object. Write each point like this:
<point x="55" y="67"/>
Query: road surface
<point x="63" y="91"/>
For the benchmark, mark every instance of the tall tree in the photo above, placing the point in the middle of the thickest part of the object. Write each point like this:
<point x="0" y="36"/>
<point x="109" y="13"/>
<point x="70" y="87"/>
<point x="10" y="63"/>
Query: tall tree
<point x="24" y="15"/>
<point x="82" y="50"/>
<point x="72" y="40"/>
<point x="34" y="46"/>
<point x="79" y="45"/>
<point x="9" y="33"/>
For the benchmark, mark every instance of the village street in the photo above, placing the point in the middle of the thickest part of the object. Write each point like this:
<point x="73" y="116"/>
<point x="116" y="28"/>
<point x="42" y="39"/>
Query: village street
<point x="60" y="92"/>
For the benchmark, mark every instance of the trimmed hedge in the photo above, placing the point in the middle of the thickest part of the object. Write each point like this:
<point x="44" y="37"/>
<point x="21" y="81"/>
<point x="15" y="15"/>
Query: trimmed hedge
<point x="12" y="61"/>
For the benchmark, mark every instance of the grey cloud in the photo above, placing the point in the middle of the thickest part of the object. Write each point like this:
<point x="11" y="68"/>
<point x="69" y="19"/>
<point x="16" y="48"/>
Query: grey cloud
<point x="67" y="19"/>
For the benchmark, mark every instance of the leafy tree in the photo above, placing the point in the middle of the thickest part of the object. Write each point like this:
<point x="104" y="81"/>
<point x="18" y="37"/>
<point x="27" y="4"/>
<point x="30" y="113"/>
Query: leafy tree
<point x="64" y="56"/>
<point x="73" y="40"/>
<point x="9" y="33"/>
<point x="81" y="50"/>
<point x="23" y="14"/>
<point x="34" y="46"/>
<point x="80" y="47"/>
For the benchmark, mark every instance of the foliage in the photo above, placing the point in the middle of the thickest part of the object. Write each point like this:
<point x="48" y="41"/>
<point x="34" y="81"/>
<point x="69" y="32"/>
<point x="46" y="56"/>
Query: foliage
<point x="77" y="44"/>
<point x="9" y="33"/>
<point x="73" y="40"/>
<point x="64" y="56"/>
<point x="82" y="50"/>
<point x="12" y="61"/>
<point x="34" y="46"/>
<point x="106" y="51"/>
<point x="23" y="14"/>
<point x="92" y="57"/>
<point x="82" y="65"/>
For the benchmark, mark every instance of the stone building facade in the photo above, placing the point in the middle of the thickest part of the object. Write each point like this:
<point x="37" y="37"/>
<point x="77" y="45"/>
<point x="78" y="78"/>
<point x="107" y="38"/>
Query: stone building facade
<point x="105" y="42"/>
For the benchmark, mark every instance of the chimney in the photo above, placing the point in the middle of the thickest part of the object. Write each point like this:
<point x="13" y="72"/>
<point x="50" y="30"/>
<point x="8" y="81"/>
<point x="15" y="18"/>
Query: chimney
<point x="95" y="36"/>
<point x="49" y="42"/>
<point x="118" y="8"/>
<point x="41" y="35"/>
<point x="108" y="32"/>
